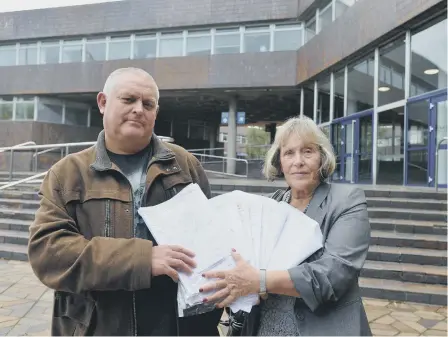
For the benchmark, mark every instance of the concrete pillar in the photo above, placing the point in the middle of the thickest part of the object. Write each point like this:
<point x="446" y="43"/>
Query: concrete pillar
<point x="212" y="129"/>
<point x="231" y="136"/>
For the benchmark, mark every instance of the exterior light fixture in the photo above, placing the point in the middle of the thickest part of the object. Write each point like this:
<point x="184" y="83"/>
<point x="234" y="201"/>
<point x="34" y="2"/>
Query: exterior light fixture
<point x="383" y="89"/>
<point x="431" y="71"/>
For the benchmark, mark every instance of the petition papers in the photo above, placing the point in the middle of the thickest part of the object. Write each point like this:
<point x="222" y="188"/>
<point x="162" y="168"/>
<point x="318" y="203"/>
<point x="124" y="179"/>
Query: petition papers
<point x="268" y="234"/>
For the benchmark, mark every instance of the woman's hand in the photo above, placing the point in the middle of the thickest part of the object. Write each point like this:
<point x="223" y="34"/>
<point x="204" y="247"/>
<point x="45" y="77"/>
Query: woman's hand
<point x="232" y="284"/>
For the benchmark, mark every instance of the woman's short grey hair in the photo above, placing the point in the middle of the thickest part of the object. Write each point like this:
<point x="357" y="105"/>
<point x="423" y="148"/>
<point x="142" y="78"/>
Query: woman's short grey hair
<point x="304" y="128"/>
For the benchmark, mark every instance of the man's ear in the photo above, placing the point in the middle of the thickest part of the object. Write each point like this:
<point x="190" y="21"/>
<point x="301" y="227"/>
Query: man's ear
<point x="101" y="101"/>
<point x="157" y="110"/>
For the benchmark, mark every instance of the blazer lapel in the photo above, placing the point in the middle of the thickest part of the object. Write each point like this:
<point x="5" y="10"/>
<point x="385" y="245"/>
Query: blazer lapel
<point x="315" y="211"/>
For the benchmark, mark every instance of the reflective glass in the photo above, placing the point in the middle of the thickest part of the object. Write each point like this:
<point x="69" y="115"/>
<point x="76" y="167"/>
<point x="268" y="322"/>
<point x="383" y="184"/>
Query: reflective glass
<point x="72" y="51"/>
<point x="119" y="48"/>
<point x="28" y="54"/>
<point x="171" y="45"/>
<point x="8" y="55"/>
<point x="25" y="109"/>
<point x="290" y="39"/>
<point x="392" y="72"/>
<point x="199" y="43"/>
<point x="49" y="53"/>
<point x="96" y="50"/>
<point x="227" y="41"/>
<point x="257" y="40"/>
<point x="145" y="47"/>
<point x="429" y="58"/>
<point x="360" y="85"/>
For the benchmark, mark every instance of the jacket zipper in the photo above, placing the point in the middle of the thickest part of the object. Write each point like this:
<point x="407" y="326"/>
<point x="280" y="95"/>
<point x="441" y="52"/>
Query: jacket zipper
<point x="107" y="220"/>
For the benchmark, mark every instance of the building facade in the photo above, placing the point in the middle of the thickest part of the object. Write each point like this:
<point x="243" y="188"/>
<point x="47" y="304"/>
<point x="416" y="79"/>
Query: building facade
<point x="372" y="73"/>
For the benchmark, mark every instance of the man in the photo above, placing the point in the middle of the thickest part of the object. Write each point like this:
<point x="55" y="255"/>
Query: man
<point x="88" y="242"/>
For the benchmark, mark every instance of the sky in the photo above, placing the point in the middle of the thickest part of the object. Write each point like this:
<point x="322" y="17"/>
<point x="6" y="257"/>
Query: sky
<point x="20" y="5"/>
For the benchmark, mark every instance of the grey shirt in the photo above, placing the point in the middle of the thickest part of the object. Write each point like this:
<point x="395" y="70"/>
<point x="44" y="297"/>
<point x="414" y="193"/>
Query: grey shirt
<point x="134" y="168"/>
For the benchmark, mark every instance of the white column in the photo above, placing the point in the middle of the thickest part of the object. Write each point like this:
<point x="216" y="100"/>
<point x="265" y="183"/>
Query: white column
<point x="231" y="136"/>
<point x="212" y="137"/>
<point x="375" y="120"/>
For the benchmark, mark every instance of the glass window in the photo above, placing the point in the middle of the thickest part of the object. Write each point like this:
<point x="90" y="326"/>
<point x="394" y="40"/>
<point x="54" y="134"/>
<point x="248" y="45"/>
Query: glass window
<point x="72" y="51"/>
<point x="338" y="94"/>
<point x="391" y="72"/>
<point x="287" y="37"/>
<point x="428" y="59"/>
<point x="323" y="100"/>
<point x="227" y="41"/>
<point x="342" y="6"/>
<point x="308" y="102"/>
<point x="199" y="43"/>
<point x="8" y="55"/>
<point x="120" y="48"/>
<point x="310" y="29"/>
<point x="390" y="146"/>
<point x="25" y="109"/>
<point x="28" y="54"/>
<point x="257" y="40"/>
<point x="96" y="118"/>
<point x="325" y="17"/>
<point x="171" y="45"/>
<point x="49" y="52"/>
<point x="145" y="47"/>
<point x="76" y="116"/>
<point x="360" y="86"/>
<point x="49" y="112"/>
<point x="96" y="50"/>
<point x="6" y="109"/>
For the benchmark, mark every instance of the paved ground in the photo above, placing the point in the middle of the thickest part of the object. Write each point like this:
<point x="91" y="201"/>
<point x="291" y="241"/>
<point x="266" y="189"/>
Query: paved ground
<point x="25" y="309"/>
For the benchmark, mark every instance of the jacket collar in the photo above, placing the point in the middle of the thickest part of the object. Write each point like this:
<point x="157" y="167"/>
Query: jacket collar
<point x="103" y="163"/>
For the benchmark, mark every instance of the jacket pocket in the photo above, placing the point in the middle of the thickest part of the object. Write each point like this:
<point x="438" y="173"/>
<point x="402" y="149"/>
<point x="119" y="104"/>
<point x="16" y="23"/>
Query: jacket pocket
<point x="96" y="213"/>
<point x="72" y="315"/>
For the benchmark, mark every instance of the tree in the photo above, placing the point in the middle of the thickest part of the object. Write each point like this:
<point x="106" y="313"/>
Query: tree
<point x="256" y="138"/>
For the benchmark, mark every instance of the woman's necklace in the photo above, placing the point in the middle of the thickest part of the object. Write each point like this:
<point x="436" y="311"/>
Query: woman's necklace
<point x="287" y="198"/>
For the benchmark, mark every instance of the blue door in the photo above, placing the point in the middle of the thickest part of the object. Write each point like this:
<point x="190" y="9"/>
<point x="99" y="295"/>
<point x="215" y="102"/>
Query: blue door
<point x="426" y="153"/>
<point x="352" y="142"/>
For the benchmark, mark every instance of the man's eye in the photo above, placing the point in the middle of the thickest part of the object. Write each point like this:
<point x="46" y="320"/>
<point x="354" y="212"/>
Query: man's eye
<point x="148" y="105"/>
<point x="128" y="99"/>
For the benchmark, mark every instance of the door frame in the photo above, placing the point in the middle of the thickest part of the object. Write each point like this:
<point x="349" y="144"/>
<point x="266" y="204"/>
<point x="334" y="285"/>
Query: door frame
<point x="432" y="99"/>
<point x="347" y="120"/>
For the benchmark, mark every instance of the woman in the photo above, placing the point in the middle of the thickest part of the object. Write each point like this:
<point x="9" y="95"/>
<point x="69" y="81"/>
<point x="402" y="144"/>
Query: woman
<point x="321" y="296"/>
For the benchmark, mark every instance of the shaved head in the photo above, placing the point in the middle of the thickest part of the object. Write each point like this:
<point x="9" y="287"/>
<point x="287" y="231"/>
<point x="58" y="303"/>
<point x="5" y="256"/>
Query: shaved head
<point x="116" y="75"/>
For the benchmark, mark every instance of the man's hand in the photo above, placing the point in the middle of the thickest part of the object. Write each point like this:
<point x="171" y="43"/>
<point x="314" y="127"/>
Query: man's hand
<point x="167" y="260"/>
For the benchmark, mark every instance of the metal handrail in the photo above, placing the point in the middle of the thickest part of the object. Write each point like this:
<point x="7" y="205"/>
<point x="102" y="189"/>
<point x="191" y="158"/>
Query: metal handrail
<point x="24" y="180"/>
<point x="3" y="149"/>
<point x="436" y="178"/>
<point x="224" y="159"/>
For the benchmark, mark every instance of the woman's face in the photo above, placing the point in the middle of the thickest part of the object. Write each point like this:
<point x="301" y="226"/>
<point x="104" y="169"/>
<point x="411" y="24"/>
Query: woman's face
<point x="300" y="162"/>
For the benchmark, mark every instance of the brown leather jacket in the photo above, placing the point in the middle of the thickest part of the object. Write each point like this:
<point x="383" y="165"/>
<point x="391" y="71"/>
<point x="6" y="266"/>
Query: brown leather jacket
<point x="82" y="244"/>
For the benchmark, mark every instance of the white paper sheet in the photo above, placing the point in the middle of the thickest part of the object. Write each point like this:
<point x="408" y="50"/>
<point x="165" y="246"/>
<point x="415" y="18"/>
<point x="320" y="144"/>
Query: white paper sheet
<point x="267" y="234"/>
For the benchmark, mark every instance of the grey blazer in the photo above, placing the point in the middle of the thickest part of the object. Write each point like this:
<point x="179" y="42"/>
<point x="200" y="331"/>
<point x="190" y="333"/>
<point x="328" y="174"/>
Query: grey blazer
<point x="330" y="301"/>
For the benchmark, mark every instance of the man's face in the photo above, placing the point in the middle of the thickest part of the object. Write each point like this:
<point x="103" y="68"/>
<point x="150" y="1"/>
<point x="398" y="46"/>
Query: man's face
<point x="130" y="110"/>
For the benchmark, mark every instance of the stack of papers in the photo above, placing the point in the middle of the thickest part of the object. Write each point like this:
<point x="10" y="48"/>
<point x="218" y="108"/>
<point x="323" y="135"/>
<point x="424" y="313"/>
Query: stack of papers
<point x="268" y="234"/>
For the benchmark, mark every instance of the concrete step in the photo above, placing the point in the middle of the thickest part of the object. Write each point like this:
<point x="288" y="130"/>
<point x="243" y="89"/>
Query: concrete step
<point x="409" y="226"/>
<point x="406" y="272"/>
<point x="18" y="194"/>
<point x="15" y="225"/>
<point x="408" y="255"/>
<point x="10" y="251"/>
<point x="394" y="239"/>
<point x="404" y="193"/>
<point x="19" y="203"/>
<point x="402" y="203"/>
<point x="407" y="214"/>
<point x="17" y="214"/>
<point x="403" y="291"/>
<point x="14" y="237"/>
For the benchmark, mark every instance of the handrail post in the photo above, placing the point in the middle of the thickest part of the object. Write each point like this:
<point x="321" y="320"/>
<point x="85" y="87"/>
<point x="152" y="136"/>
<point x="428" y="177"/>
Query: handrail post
<point x="35" y="160"/>
<point x="436" y="178"/>
<point x="11" y="164"/>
